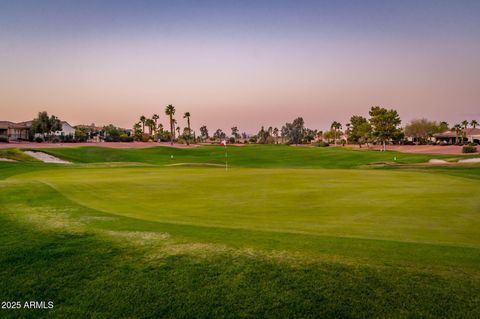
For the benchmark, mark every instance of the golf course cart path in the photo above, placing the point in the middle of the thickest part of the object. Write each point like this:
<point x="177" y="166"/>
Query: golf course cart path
<point x="46" y="158"/>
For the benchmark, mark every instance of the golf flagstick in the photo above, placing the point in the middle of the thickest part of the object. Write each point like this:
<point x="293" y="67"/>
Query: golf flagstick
<point x="224" y="143"/>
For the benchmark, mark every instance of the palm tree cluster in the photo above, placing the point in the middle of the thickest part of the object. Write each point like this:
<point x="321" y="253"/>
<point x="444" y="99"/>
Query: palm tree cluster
<point x="156" y="131"/>
<point x="460" y="129"/>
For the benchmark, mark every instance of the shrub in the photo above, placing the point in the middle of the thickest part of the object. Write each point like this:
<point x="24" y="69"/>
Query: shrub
<point x="469" y="149"/>
<point x="126" y="138"/>
<point x="39" y="139"/>
<point x="323" y="144"/>
<point x="81" y="138"/>
<point x="3" y="139"/>
<point x="66" y="138"/>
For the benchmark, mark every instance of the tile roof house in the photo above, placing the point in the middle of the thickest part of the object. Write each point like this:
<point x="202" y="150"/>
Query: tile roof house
<point x="21" y="131"/>
<point x="471" y="134"/>
<point x="15" y="131"/>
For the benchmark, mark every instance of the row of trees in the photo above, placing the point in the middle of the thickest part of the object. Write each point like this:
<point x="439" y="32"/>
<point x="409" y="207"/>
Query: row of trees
<point x="381" y="127"/>
<point x="156" y="130"/>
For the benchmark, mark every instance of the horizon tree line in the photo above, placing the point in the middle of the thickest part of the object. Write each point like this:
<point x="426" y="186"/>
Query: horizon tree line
<point x="383" y="126"/>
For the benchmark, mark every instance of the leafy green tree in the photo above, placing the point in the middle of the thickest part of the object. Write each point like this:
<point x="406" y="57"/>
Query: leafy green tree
<point x="170" y="111"/>
<point x="113" y="133"/>
<point x="421" y="130"/>
<point x="262" y="136"/>
<point x="137" y="131"/>
<point x="82" y="134"/>
<point x="360" y="130"/>
<point x="204" y="132"/>
<point x="308" y="135"/>
<point x="275" y="133"/>
<point x="235" y="133"/>
<point x="442" y="127"/>
<point x="335" y="127"/>
<point x="219" y="135"/>
<point x="294" y="131"/>
<point x="385" y="124"/>
<point x="45" y="125"/>
<point x="329" y="135"/>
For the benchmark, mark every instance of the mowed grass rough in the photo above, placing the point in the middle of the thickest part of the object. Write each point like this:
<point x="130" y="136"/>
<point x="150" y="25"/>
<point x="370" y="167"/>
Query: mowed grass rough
<point x="310" y="233"/>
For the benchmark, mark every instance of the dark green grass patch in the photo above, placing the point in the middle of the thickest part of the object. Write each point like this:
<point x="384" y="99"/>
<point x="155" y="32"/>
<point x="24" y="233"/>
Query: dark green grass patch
<point x="88" y="277"/>
<point x="260" y="156"/>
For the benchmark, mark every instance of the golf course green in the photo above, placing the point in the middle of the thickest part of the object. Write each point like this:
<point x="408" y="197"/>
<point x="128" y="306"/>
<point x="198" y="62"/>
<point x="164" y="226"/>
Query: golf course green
<point x="289" y="232"/>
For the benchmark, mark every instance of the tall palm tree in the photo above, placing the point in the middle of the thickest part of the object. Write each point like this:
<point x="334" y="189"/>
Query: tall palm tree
<point x="474" y="123"/>
<point x="465" y="124"/>
<point x="457" y="128"/>
<point x="175" y="128"/>
<point x="151" y="125"/>
<point x="143" y="119"/>
<point x="170" y="111"/>
<point x="335" y="127"/>
<point x="155" y="118"/>
<point x="348" y="130"/>
<point x="187" y="116"/>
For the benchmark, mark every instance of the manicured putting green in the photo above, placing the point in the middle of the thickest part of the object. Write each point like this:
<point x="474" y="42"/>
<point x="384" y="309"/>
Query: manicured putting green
<point x="380" y="204"/>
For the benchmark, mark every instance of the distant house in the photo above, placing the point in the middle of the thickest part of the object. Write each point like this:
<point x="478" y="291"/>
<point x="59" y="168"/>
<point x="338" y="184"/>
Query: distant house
<point x="66" y="130"/>
<point x="15" y="131"/>
<point x="469" y="134"/>
<point x="22" y="131"/>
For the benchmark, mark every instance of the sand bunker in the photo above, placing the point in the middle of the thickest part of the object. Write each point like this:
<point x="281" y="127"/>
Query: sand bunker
<point x="6" y="160"/>
<point x="437" y="161"/>
<point x="470" y="160"/>
<point x="46" y="158"/>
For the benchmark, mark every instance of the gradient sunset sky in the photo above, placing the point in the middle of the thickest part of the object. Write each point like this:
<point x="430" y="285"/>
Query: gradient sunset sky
<point x="244" y="63"/>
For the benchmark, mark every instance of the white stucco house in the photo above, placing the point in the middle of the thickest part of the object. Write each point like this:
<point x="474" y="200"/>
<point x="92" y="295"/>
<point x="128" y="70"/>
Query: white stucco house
<point x="67" y="129"/>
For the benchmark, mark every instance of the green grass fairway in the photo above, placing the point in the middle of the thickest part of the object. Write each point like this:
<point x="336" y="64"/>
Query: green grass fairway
<point x="265" y="156"/>
<point x="285" y="232"/>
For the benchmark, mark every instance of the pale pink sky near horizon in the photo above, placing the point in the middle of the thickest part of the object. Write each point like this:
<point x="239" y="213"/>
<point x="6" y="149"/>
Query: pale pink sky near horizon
<point x="228" y="74"/>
